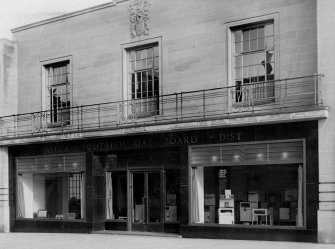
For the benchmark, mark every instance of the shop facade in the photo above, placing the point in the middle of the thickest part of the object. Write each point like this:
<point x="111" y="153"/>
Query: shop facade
<point x="206" y="120"/>
<point x="254" y="182"/>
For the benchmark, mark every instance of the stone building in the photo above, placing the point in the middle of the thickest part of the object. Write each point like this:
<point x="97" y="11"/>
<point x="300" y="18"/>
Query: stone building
<point x="204" y="118"/>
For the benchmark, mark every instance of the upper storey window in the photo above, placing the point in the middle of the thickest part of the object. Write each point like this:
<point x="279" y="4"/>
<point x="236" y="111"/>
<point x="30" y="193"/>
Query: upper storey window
<point x="143" y="70"/>
<point x="58" y="92"/>
<point x="253" y="62"/>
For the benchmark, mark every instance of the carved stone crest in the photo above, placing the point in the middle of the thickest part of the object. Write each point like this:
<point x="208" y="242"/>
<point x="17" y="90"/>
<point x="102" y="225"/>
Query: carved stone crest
<point x="139" y="15"/>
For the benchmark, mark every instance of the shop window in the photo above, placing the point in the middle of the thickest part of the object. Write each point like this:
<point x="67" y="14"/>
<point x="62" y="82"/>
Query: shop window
<point x="253" y="63"/>
<point x="249" y="191"/>
<point x="58" y="93"/>
<point x="143" y="80"/>
<point x="51" y="187"/>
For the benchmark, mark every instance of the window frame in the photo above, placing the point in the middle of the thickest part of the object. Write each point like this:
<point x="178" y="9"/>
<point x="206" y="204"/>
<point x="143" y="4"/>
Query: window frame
<point x="231" y="27"/>
<point x="45" y="103"/>
<point x="126" y="88"/>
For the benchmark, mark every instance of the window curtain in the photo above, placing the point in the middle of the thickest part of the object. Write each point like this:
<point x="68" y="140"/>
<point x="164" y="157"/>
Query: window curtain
<point x="299" y="219"/>
<point x="20" y="198"/>
<point x="82" y="196"/>
<point x="109" y="192"/>
<point x="197" y="208"/>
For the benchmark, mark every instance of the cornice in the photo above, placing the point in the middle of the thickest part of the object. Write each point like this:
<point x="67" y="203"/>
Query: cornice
<point x="68" y="15"/>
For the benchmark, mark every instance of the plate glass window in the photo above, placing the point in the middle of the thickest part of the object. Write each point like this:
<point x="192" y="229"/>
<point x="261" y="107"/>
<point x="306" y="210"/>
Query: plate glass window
<point x="51" y="187"/>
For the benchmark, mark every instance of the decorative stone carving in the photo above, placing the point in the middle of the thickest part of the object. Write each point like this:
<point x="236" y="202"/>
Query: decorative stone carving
<point x="139" y="15"/>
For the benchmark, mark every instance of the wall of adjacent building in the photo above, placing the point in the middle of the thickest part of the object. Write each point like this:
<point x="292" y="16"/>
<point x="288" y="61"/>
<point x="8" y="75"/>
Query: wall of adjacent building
<point x="8" y="78"/>
<point x="8" y="106"/>
<point x="326" y="65"/>
<point x="194" y="45"/>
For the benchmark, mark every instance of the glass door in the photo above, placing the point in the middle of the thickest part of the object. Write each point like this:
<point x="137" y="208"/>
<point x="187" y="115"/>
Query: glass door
<point x="147" y="192"/>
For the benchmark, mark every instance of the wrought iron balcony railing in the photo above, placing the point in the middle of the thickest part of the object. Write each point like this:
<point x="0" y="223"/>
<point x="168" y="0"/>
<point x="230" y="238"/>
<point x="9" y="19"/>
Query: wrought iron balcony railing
<point x="279" y="96"/>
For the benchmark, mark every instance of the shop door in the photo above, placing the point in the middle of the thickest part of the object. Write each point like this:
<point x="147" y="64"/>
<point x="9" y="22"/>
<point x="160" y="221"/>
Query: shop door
<point x="147" y="193"/>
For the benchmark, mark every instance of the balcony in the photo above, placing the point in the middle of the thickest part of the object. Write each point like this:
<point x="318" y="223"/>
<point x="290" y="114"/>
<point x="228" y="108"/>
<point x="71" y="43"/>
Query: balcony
<point x="279" y="97"/>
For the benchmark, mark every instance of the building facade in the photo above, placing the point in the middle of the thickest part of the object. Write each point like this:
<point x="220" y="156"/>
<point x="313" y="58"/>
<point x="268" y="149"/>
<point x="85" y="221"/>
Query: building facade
<point x="204" y="119"/>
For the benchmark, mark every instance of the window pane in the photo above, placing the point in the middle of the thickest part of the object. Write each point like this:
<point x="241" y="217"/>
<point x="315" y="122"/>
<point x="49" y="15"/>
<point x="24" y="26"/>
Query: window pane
<point x="238" y="61"/>
<point x="269" y="56"/>
<point x="260" y="32"/>
<point x="139" y="65"/>
<point x="245" y="72"/>
<point x="270" y="68"/>
<point x="138" y="54"/>
<point x="156" y="54"/>
<point x="150" y="90"/>
<point x="260" y="69"/>
<point x="144" y="64"/>
<point x="269" y="42"/>
<point x="269" y="30"/>
<point x="238" y="73"/>
<point x="246" y="46"/>
<point x="261" y="43"/>
<point x="132" y="66"/>
<point x="150" y="52"/>
<point x="156" y="62"/>
<point x="143" y="54"/>
<point x="253" y="33"/>
<point x="150" y="62"/>
<point x="252" y="71"/>
<point x="259" y="57"/>
<point x="132" y="56"/>
<point x="238" y="35"/>
<point x="132" y="78"/>
<point x="238" y="47"/>
<point x="246" y="35"/>
<point x="133" y="90"/>
<point x="253" y="44"/>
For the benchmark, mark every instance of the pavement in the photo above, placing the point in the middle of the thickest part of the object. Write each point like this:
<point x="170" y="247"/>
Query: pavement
<point x="125" y="241"/>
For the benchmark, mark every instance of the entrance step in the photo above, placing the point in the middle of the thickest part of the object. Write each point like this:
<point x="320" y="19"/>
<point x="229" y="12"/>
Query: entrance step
<point x="135" y="233"/>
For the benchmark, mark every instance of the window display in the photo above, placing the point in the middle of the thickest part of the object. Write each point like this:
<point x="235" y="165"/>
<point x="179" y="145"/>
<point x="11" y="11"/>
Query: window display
<point x="51" y="187"/>
<point x="54" y="195"/>
<point x="248" y="191"/>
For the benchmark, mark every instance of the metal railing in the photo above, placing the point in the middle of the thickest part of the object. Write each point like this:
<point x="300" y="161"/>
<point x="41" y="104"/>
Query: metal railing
<point x="279" y="96"/>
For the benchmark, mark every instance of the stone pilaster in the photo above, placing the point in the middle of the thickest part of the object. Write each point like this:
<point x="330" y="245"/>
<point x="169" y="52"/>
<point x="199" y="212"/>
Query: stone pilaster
<point x="326" y="65"/>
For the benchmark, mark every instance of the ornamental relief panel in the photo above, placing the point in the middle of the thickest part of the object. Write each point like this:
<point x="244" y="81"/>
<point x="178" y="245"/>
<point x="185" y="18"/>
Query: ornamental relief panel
<point x="139" y="16"/>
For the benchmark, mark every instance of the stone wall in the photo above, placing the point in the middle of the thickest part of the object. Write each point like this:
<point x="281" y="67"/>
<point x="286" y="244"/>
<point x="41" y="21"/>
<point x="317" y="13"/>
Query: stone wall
<point x="194" y="50"/>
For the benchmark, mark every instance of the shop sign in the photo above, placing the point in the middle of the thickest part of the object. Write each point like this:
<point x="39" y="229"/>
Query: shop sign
<point x="56" y="150"/>
<point x="230" y="137"/>
<point x="180" y="140"/>
<point x="174" y="139"/>
<point x="105" y="146"/>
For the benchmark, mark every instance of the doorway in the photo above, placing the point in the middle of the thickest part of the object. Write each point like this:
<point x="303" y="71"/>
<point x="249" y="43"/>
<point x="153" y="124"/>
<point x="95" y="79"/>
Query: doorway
<point x="147" y="190"/>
